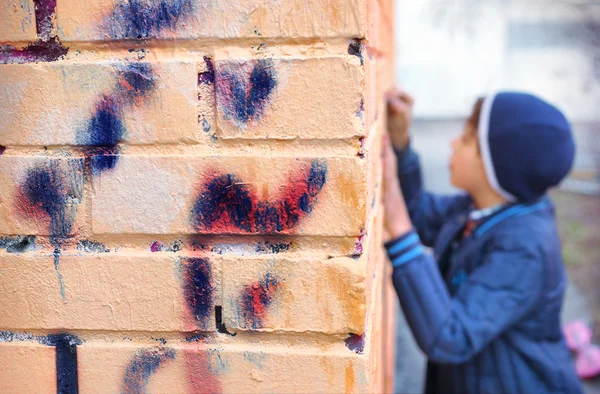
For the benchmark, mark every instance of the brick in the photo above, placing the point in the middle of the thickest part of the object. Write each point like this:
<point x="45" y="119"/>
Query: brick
<point x="158" y="293"/>
<point x="27" y="368"/>
<point x="18" y="21"/>
<point x="97" y="20"/>
<point x="294" y="294"/>
<point x="287" y="98"/>
<point x="230" y="195"/>
<point x="200" y="368"/>
<point x="106" y="292"/>
<point x="100" y="103"/>
<point x="41" y="195"/>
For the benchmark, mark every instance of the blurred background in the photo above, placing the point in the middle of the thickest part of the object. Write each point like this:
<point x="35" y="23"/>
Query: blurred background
<point x="449" y="52"/>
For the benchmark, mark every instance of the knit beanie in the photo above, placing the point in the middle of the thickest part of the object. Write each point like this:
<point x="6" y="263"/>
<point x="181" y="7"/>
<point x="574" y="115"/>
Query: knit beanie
<point x="526" y="145"/>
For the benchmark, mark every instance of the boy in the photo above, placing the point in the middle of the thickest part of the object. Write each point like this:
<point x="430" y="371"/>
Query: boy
<point x="487" y="315"/>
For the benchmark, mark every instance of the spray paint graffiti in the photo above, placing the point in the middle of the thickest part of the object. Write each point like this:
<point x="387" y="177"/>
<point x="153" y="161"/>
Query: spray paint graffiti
<point x="355" y="342"/>
<point x="105" y="129"/>
<point x="208" y="76"/>
<point x="356" y="48"/>
<point x="67" y="381"/>
<point x="47" y="48"/>
<point x="244" y="89"/>
<point x="18" y="244"/>
<point x="88" y="246"/>
<point x="139" y="19"/>
<point x="44" y="13"/>
<point x="198" y="289"/>
<point x="255" y="300"/>
<point x="143" y="365"/>
<point x="50" y="194"/>
<point x="226" y="205"/>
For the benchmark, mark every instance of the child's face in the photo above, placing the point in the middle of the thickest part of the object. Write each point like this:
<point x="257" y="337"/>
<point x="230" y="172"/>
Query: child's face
<point x="466" y="166"/>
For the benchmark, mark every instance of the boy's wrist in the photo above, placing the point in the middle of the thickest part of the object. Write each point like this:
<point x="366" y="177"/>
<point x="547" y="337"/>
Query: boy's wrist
<point x="400" y="228"/>
<point x="403" y="152"/>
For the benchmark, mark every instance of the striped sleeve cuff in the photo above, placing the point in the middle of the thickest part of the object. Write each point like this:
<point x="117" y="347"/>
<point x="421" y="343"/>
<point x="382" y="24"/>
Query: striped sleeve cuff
<point x="405" y="248"/>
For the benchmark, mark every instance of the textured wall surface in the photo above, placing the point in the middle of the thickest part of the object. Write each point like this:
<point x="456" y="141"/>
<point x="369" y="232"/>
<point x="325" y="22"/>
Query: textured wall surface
<point x="189" y="196"/>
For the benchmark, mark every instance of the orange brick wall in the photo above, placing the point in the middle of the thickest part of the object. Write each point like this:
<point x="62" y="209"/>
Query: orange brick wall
<point x="189" y="196"/>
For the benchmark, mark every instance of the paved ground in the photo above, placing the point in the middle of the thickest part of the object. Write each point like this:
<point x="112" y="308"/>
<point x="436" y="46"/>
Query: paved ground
<point x="432" y="140"/>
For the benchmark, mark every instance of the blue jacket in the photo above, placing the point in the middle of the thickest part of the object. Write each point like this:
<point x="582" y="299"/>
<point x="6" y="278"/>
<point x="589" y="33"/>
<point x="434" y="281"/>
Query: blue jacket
<point x="486" y="315"/>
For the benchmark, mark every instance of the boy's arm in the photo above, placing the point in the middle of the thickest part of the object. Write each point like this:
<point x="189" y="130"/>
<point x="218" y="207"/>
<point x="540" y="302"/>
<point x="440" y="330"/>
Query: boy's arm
<point x="492" y="298"/>
<point x="427" y="211"/>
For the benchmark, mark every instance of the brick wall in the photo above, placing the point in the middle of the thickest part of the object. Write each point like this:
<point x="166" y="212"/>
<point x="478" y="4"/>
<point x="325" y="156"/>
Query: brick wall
<point x="189" y="196"/>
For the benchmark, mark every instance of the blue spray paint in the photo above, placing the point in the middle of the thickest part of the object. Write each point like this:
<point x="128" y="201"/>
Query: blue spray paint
<point x="143" y="365"/>
<point x="138" y="19"/>
<point x="198" y="289"/>
<point x="105" y="129"/>
<point x="44" y="189"/>
<point x="138" y="79"/>
<point x="244" y="97"/>
<point x="54" y="193"/>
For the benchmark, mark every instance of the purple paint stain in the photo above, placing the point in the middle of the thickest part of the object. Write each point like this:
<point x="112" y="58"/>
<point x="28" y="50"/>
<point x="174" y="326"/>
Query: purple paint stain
<point x="2" y="149"/>
<point x="139" y="19"/>
<point x="358" y="247"/>
<point x="198" y="289"/>
<point x="143" y="365"/>
<point x="156" y="246"/>
<point x="39" y="51"/>
<point x="361" y="148"/>
<point x="243" y="93"/>
<point x="208" y="76"/>
<point x="355" y="343"/>
<point x="255" y="301"/>
<point x="46" y="48"/>
<point x="44" y="11"/>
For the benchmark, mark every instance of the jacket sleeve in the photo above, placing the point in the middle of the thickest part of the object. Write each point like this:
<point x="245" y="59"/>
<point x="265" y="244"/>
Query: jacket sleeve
<point x="504" y="289"/>
<point x="427" y="211"/>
